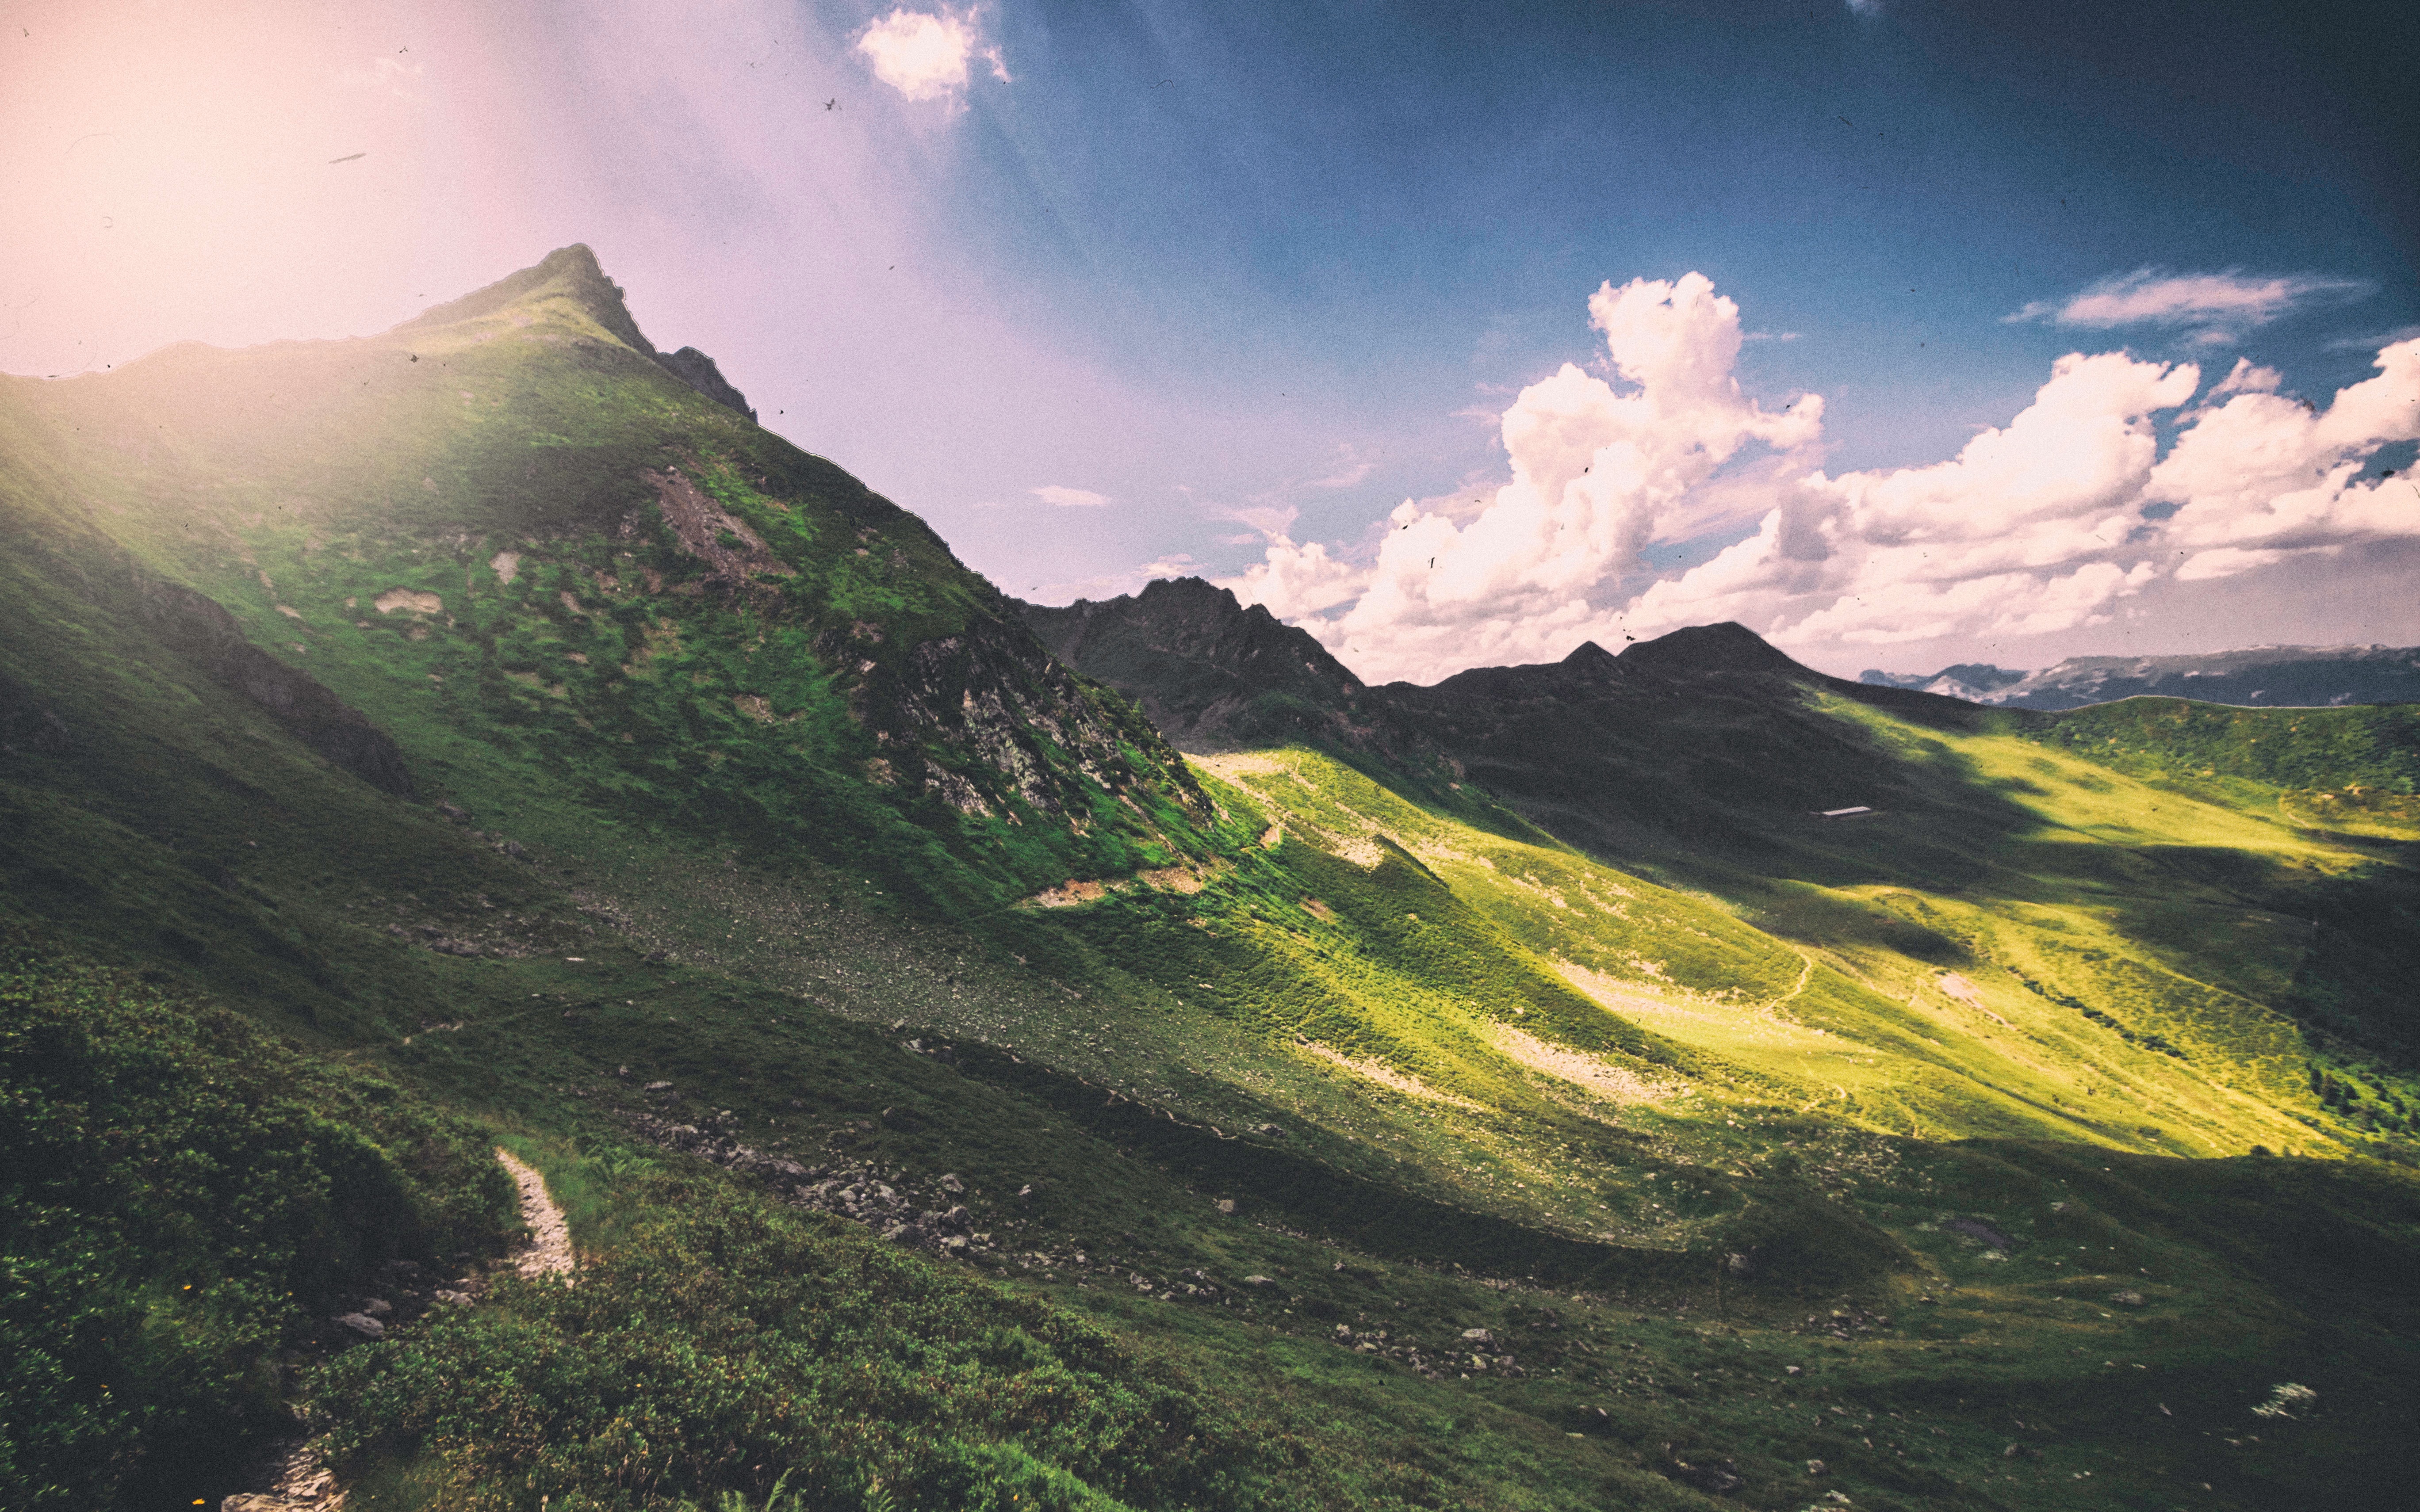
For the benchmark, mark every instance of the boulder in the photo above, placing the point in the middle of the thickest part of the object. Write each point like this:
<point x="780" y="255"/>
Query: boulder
<point x="1719" y="1476"/>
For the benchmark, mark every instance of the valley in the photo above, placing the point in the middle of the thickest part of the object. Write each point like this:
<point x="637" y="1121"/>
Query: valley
<point x="992" y="1056"/>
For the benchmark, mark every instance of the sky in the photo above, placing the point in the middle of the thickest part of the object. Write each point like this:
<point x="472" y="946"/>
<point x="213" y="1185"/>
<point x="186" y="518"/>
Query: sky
<point x="1904" y="331"/>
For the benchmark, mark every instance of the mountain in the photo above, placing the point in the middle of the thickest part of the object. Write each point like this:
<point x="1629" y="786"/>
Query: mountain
<point x="1973" y="681"/>
<point x="504" y="529"/>
<point x="2257" y="676"/>
<point x="1703" y="759"/>
<point x="1208" y="673"/>
<point x="1651" y="751"/>
<point x="1505" y="1093"/>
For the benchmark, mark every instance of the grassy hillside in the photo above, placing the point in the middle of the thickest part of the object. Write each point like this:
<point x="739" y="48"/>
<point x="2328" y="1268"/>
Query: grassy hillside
<point x="186" y="1202"/>
<point x="606" y="777"/>
<point x="577" y="592"/>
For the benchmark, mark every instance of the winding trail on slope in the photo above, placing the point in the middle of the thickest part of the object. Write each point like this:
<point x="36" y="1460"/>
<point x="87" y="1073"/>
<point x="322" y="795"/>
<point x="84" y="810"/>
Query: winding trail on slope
<point x="549" y="1247"/>
<point x="298" y="1480"/>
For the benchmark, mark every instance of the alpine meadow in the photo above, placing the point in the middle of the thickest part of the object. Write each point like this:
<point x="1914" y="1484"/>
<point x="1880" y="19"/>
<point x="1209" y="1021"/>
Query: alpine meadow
<point x="991" y="1055"/>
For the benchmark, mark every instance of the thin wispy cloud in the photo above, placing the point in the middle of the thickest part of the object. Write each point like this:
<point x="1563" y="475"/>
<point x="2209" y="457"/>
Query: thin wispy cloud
<point x="1069" y="497"/>
<point x="1865" y="9"/>
<point x="1122" y="581"/>
<point x="2217" y="306"/>
<point x="399" y="77"/>
<point x="1352" y="470"/>
<point x="2371" y="343"/>
<point x="928" y="56"/>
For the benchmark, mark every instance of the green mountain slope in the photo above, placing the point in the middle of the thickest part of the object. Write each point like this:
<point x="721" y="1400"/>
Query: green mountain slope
<point x="539" y="563"/>
<point x="966" y="1101"/>
<point x="2145" y="902"/>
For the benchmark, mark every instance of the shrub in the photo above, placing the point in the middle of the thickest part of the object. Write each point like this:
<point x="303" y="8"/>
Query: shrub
<point x="179" y="1195"/>
<point x="728" y="1345"/>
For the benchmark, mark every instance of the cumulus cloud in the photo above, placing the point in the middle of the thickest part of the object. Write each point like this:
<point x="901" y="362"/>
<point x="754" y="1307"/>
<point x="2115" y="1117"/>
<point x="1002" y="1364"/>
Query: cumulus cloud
<point x="2047" y="523"/>
<point x="2245" y="377"/>
<point x="2220" y="306"/>
<point x="1596" y="473"/>
<point x="1069" y="497"/>
<point x="928" y="56"/>
<point x="2265" y="472"/>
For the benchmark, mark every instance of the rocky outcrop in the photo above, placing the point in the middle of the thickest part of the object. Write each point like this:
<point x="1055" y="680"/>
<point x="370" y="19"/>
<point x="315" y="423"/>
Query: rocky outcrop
<point x="697" y="370"/>
<point x="198" y="628"/>
<point x="842" y="1187"/>
<point x="1212" y="675"/>
<point x="986" y="722"/>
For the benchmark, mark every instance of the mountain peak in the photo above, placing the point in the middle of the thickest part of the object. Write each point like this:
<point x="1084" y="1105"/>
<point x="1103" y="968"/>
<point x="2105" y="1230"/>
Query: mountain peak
<point x="572" y="275"/>
<point x="1730" y="647"/>
<point x="1211" y="672"/>
<point x="569" y="273"/>
<point x="1162" y="594"/>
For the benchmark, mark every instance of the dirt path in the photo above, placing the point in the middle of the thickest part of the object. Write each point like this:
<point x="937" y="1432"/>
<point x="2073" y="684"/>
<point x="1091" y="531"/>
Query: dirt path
<point x="298" y="1481"/>
<point x="550" y="1247"/>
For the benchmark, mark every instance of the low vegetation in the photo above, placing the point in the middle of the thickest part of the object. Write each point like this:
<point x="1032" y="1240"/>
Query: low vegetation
<point x="1327" y="1134"/>
<point x="184" y="1201"/>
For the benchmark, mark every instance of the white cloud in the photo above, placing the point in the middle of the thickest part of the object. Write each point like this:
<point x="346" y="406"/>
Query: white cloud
<point x="2046" y="524"/>
<point x="927" y="56"/>
<point x="1865" y="9"/>
<point x="1350" y="469"/>
<point x="2220" y="305"/>
<point x="2244" y="378"/>
<point x="2226" y="562"/>
<point x="2264" y="472"/>
<point x="1298" y="582"/>
<point x="2372" y="343"/>
<point x="1596" y="474"/>
<point x="1123" y="581"/>
<point x="1069" y="497"/>
<point x="399" y="77"/>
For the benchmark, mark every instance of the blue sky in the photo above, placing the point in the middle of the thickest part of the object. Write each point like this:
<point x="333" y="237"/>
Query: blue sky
<point x="1255" y="280"/>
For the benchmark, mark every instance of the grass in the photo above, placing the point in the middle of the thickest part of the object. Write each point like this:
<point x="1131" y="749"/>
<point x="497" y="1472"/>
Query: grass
<point x="1695" y="1104"/>
<point x="186" y="1200"/>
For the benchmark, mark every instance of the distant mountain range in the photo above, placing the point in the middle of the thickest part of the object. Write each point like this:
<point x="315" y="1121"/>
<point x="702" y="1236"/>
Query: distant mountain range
<point x="2257" y="676"/>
